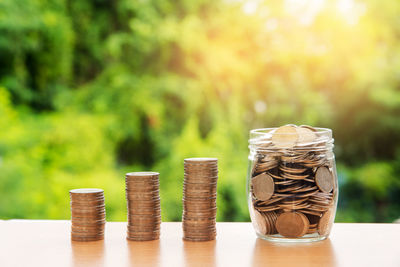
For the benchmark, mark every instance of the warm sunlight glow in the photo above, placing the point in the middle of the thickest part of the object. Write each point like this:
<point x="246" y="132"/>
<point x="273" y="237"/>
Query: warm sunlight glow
<point x="304" y="10"/>
<point x="350" y="10"/>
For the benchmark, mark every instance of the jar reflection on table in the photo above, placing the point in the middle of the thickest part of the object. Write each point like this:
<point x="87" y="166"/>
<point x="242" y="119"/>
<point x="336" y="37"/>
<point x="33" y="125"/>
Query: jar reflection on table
<point x="292" y="183"/>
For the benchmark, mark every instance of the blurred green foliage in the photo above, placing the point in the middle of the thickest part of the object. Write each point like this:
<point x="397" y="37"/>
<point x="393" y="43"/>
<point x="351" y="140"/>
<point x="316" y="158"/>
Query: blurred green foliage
<point x="92" y="89"/>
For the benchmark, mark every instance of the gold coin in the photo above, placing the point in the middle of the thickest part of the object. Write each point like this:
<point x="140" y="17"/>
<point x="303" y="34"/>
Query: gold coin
<point x="142" y="174"/>
<point x="306" y="135"/>
<point x="91" y="191"/>
<point x="270" y="201"/>
<point x="264" y="166"/>
<point x="324" y="179"/>
<point x="201" y="160"/>
<point x="325" y="223"/>
<point x="310" y="212"/>
<point x="285" y="136"/>
<point x="259" y="222"/>
<point x="86" y="239"/>
<point x="292" y="224"/>
<point x="269" y="224"/>
<point x="271" y="219"/>
<point x="268" y="208"/>
<point x="263" y="186"/>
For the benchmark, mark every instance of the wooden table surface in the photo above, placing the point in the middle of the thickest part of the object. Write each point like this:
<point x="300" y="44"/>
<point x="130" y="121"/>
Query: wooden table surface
<point x="47" y="243"/>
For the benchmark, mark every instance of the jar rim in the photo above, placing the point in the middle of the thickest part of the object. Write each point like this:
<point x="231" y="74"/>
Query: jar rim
<point x="261" y="139"/>
<point x="263" y="131"/>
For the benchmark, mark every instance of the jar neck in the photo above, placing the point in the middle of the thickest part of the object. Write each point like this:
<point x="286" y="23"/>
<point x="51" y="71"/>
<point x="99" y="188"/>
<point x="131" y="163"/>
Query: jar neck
<point x="318" y="140"/>
<point x="269" y="147"/>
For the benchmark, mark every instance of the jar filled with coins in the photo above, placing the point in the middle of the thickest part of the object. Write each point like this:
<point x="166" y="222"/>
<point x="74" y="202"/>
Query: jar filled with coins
<point x="292" y="183"/>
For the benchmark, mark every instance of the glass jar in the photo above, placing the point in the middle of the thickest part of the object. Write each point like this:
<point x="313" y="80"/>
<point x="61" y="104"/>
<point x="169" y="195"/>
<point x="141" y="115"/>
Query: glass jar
<point x="292" y="183"/>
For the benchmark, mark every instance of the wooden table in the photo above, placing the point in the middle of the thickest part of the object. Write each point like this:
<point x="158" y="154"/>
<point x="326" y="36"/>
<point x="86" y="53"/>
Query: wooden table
<point x="47" y="243"/>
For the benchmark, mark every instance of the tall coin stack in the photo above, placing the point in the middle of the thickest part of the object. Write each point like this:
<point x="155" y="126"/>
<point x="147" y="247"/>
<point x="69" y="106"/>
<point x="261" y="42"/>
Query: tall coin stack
<point x="199" y="199"/>
<point x="88" y="215"/>
<point x="144" y="212"/>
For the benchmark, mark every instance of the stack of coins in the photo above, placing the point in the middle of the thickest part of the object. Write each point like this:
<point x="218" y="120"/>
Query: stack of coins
<point x="199" y="199"/>
<point x="88" y="215"/>
<point x="143" y="201"/>
<point x="293" y="185"/>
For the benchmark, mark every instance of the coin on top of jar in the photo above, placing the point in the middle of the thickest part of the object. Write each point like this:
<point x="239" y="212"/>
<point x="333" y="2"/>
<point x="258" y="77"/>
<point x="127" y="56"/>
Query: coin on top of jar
<point x="306" y="134"/>
<point x="290" y="135"/>
<point x="285" y="136"/>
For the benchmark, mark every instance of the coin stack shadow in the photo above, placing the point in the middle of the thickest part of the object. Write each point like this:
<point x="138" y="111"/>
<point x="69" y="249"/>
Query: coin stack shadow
<point x="143" y="202"/>
<point x="88" y="215"/>
<point x="293" y="186"/>
<point x="199" y="199"/>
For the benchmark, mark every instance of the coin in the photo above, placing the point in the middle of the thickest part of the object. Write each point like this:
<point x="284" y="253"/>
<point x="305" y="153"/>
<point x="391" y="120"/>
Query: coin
<point x="142" y="174"/>
<point x="201" y="187"/>
<point x="285" y="136"/>
<point x="199" y="226"/>
<point x="85" y="232"/>
<point x="197" y="229"/>
<point x="88" y="217"/>
<point x="292" y="224"/>
<point x="259" y="222"/>
<point x="206" y="215"/>
<point x="270" y="218"/>
<point x="263" y="186"/>
<point x="306" y="134"/>
<point x="201" y="235"/>
<point x="96" y="228"/>
<point x="325" y="223"/>
<point x="201" y="160"/>
<point x="86" y="239"/>
<point x="324" y="179"/>
<point x="142" y="237"/>
<point x="86" y="192"/>
<point x="185" y="238"/>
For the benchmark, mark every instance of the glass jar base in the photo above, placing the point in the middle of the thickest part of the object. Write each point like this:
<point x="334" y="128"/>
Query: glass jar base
<point x="280" y="239"/>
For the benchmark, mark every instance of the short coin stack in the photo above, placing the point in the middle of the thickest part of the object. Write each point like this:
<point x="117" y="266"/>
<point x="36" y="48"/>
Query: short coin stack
<point x="199" y="199"/>
<point x="144" y="212"/>
<point x="88" y="215"/>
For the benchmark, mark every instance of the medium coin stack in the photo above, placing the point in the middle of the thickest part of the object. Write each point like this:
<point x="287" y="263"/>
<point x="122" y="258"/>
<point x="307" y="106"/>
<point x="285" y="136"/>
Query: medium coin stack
<point x="143" y="201"/>
<point x="293" y="184"/>
<point x="88" y="215"/>
<point x="199" y="199"/>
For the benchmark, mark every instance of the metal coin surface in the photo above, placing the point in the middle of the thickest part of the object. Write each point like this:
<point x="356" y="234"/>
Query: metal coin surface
<point x="324" y="179"/>
<point x="292" y="224"/>
<point x="263" y="186"/>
